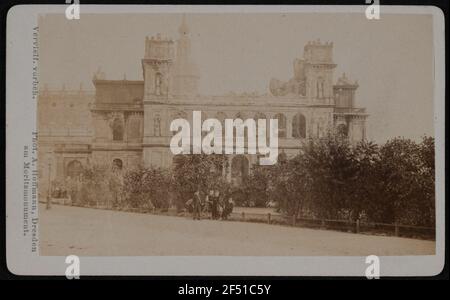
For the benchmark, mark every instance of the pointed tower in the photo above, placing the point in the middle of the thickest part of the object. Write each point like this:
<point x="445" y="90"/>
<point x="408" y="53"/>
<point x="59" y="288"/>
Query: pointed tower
<point x="185" y="72"/>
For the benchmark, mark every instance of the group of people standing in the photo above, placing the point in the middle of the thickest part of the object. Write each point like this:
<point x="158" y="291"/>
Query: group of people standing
<point x="219" y="206"/>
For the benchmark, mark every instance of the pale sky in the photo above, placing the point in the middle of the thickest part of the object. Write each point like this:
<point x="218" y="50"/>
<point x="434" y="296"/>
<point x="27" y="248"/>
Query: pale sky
<point x="392" y="58"/>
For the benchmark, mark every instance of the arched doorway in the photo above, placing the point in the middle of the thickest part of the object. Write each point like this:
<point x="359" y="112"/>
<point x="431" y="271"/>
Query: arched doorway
<point x="281" y="125"/>
<point x="239" y="169"/>
<point x="74" y="169"/>
<point x="117" y="128"/>
<point x="299" y="126"/>
<point x="117" y="164"/>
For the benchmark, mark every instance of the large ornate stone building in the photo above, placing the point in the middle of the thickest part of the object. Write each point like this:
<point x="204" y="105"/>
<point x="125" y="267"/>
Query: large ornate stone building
<point x="126" y="123"/>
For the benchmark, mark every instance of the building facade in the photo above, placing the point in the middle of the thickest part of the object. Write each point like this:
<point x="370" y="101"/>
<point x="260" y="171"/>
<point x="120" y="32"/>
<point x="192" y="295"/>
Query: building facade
<point x="127" y="123"/>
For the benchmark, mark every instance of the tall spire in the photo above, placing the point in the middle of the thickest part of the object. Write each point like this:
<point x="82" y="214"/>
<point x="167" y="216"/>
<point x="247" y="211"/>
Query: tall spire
<point x="185" y="71"/>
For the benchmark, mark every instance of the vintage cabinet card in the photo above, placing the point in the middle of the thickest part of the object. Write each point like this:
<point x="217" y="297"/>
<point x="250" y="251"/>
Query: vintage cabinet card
<point x="225" y="140"/>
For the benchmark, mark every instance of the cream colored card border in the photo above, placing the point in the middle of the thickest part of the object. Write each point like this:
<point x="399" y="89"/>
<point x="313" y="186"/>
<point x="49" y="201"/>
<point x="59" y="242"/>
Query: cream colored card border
<point x="21" y="120"/>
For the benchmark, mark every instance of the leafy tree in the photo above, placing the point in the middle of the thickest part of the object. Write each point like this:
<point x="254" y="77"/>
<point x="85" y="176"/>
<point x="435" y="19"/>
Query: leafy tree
<point x="97" y="187"/>
<point x="404" y="185"/>
<point x="329" y="165"/>
<point x="362" y="189"/>
<point x="256" y="186"/>
<point x="148" y="187"/>
<point x="199" y="171"/>
<point x="426" y="182"/>
<point x="332" y="178"/>
<point x="329" y="178"/>
<point x="290" y="185"/>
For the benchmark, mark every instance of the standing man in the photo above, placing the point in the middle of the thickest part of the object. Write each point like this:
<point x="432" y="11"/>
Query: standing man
<point x="215" y="205"/>
<point x="228" y="209"/>
<point x="209" y="203"/>
<point x="196" y="205"/>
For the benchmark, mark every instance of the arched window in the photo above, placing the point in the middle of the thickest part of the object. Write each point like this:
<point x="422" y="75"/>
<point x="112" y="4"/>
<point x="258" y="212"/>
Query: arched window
<point x="117" y="164"/>
<point x="299" y="126"/>
<point x="157" y="126"/>
<point x="281" y="125"/>
<point x="239" y="168"/>
<point x="221" y="116"/>
<point x="74" y="169"/>
<point x="342" y="130"/>
<point x="320" y="87"/>
<point x="158" y="83"/>
<point x="117" y="130"/>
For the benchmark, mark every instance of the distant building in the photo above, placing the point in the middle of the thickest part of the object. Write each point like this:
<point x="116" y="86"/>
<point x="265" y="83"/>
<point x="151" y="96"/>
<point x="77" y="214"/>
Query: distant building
<point x="126" y="123"/>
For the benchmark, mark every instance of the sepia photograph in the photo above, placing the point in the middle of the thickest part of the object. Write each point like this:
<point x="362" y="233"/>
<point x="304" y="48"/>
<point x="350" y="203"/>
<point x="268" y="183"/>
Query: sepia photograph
<point x="225" y="140"/>
<point x="282" y="134"/>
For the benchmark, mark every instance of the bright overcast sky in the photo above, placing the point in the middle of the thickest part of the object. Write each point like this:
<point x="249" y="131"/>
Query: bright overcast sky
<point x="392" y="58"/>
